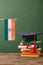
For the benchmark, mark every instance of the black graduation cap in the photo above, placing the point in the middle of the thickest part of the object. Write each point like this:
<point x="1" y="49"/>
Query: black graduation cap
<point x="29" y="36"/>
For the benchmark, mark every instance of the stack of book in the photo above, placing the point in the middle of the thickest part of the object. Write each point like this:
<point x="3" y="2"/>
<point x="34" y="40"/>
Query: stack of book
<point x="29" y="46"/>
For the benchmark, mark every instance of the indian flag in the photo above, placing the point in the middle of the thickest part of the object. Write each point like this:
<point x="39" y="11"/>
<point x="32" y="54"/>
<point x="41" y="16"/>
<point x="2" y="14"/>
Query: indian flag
<point x="9" y="29"/>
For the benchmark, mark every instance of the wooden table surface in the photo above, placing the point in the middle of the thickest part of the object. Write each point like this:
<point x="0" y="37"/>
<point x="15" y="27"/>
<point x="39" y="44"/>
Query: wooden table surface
<point x="16" y="59"/>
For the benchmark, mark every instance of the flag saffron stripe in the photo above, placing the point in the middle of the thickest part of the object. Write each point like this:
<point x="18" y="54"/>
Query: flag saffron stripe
<point x="13" y="29"/>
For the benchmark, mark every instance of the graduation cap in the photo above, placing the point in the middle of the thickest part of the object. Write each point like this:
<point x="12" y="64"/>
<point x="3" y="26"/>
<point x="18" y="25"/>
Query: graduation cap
<point x="30" y="36"/>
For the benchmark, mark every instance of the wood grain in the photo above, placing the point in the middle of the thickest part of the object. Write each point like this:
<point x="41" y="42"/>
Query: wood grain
<point x="16" y="59"/>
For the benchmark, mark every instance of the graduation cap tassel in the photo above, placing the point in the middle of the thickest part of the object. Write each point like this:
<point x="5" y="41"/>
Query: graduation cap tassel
<point x="34" y="43"/>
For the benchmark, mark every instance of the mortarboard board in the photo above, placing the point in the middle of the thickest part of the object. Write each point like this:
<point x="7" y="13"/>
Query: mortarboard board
<point x="29" y="33"/>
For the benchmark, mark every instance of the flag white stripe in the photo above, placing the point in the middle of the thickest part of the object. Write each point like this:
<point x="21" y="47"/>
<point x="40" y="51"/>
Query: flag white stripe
<point x="9" y="29"/>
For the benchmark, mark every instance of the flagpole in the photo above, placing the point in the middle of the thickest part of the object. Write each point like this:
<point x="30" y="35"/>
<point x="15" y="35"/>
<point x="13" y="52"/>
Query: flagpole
<point x="7" y="18"/>
<point x="2" y="19"/>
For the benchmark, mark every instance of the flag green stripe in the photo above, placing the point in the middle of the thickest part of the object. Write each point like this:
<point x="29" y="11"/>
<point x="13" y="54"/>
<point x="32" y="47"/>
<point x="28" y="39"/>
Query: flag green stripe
<point x="6" y="29"/>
